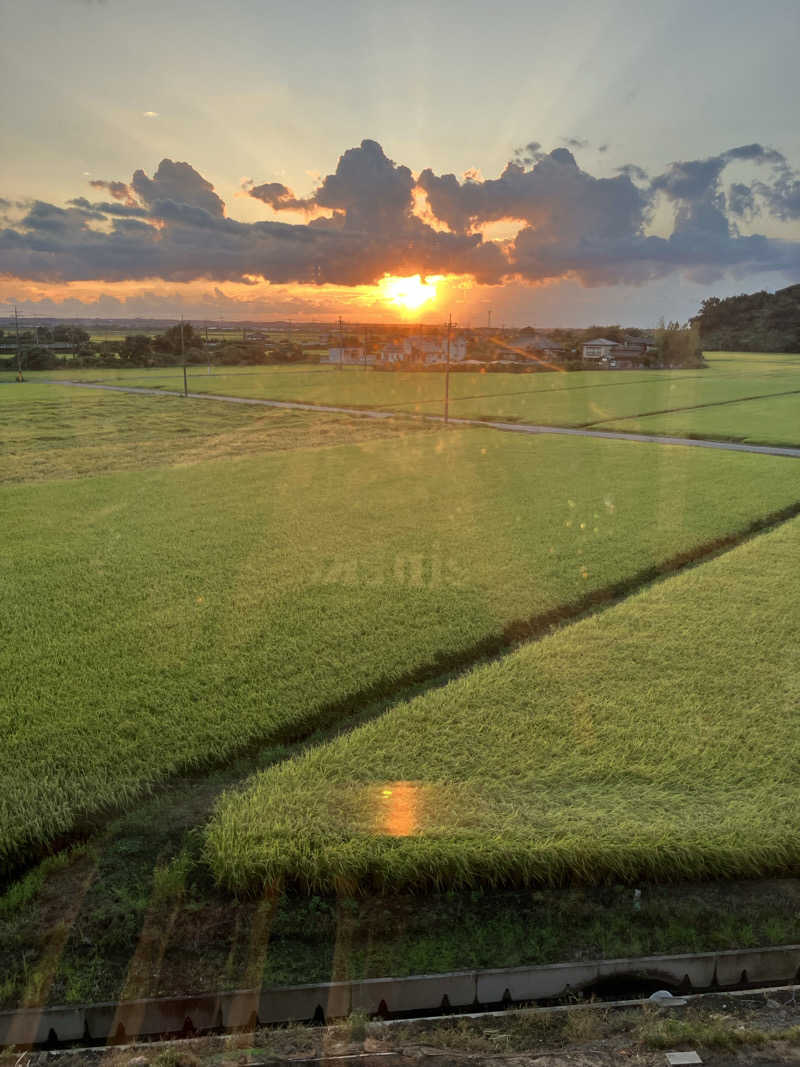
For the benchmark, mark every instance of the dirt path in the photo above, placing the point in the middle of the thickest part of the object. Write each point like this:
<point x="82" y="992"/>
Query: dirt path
<point x="510" y="427"/>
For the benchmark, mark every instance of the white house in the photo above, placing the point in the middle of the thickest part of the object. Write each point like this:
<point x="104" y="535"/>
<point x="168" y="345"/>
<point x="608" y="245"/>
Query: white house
<point x="392" y="352"/>
<point x="349" y="354"/>
<point x="433" y="349"/>
<point x="598" y="349"/>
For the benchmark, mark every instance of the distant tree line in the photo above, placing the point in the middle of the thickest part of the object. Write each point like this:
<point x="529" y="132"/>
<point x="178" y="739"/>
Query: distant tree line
<point x="754" y="322"/>
<point x="179" y="344"/>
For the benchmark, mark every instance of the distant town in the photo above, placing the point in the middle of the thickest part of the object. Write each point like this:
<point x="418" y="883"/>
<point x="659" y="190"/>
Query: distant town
<point x="518" y="349"/>
<point x="44" y="344"/>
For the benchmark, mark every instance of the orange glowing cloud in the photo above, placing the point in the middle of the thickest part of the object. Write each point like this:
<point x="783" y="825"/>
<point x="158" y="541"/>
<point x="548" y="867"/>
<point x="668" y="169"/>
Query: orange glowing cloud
<point x="393" y="297"/>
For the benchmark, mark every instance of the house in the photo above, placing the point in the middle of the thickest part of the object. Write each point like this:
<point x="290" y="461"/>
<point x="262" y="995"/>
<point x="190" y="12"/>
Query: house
<point x="632" y="352"/>
<point x="433" y="348"/>
<point x="538" y="344"/>
<point x="391" y="352"/>
<point x="349" y="354"/>
<point x="598" y="349"/>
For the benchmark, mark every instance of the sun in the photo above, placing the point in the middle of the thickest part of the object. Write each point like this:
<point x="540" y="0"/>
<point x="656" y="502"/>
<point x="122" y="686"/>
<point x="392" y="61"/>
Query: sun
<point x="411" y="293"/>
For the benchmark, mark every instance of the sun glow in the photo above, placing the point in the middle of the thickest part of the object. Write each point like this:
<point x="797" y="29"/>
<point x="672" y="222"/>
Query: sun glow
<point x="409" y="293"/>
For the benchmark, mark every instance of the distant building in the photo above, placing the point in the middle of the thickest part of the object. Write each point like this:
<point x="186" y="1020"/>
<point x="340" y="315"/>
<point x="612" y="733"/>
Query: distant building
<point x="632" y="352"/>
<point x="598" y="349"/>
<point x="349" y="354"/>
<point x="433" y="348"/>
<point x="538" y="344"/>
<point x="391" y="352"/>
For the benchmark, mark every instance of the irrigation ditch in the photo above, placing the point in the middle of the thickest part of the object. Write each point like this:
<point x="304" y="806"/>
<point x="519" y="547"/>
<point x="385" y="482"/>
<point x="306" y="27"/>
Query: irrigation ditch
<point x="418" y="996"/>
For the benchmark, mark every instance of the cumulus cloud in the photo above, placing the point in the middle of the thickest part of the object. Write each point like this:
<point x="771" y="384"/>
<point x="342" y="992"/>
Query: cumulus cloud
<point x="177" y="183"/>
<point x="173" y="225"/>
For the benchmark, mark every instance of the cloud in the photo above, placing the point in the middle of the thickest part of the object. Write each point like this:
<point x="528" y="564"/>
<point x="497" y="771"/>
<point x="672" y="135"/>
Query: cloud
<point x="633" y="171"/>
<point x="177" y="183"/>
<point x="366" y="222"/>
<point x="119" y="190"/>
<point x="278" y="197"/>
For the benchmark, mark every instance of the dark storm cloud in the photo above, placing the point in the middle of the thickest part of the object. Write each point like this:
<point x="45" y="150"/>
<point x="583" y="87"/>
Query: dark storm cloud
<point x="595" y="228"/>
<point x="173" y="225"/>
<point x="555" y="197"/>
<point x="700" y="180"/>
<point x="180" y="183"/>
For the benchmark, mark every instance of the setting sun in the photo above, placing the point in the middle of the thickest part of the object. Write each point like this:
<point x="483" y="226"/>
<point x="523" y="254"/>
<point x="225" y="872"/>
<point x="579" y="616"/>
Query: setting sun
<point x="409" y="293"/>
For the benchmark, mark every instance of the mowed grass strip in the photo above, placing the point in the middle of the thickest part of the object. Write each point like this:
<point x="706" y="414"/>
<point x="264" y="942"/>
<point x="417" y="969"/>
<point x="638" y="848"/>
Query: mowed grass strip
<point x="657" y="740"/>
<point x="51" y="431"/>
<point x="164" y="619"/>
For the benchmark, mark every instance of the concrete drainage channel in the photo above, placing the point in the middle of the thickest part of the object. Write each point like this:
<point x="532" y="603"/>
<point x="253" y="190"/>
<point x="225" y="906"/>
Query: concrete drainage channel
<point x="419" y="995"/>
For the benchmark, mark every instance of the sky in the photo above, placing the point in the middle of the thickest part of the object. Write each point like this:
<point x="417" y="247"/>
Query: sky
<point x="555" y="164"/>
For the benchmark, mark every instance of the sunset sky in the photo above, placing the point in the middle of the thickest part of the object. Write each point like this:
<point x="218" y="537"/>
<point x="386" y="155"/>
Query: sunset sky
<point x="559" y="164"/>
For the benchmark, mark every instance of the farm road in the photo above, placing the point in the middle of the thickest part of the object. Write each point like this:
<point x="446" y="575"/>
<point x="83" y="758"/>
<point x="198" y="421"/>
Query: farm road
<point x="511" y="427"/>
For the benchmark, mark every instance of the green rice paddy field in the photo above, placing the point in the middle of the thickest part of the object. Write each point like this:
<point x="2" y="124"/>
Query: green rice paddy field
<point x="165" y="618"/>
<point x="658" y="740"/>
<point x="48" y="432"/>
<point x="740" y="396"/>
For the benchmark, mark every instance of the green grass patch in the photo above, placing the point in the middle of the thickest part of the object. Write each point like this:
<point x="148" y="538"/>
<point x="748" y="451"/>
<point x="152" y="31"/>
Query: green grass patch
<point x="559" y="399"/>
<point x="657" y="740"/>
<point x="164" y="619"/>
<point x="771" y="421"/>
<point x="47" y="431"/>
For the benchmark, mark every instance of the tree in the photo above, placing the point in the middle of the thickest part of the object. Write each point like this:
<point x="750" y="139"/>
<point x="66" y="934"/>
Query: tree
<point x="136" y="350"/>
<point x="38" y="358"/>
<point x="75" y="335"/>
<point x="755" y="322"/>
<point x="170" y="340"/>
<point x="678" y="346"/>
<point x="285" y="352"/>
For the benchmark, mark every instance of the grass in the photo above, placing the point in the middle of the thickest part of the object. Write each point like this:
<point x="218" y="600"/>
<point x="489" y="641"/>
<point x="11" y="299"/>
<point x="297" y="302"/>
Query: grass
<point x="165" y="619"/>
<point x="49" y="432"/>
<point x="136" y="911"/>
<point x="755" y="1032"/>
<point x="657" y="740"/>
<point x="775" y="421"/>
<point x="588" y="398"/>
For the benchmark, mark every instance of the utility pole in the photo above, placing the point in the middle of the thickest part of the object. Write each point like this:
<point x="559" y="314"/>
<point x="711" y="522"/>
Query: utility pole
<point x="19" y="354"/>
<point x="490" y="320"/>
<point x="341" y="344"/>
<point x="183" y="360"/>
<point x="447" y="371"/>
